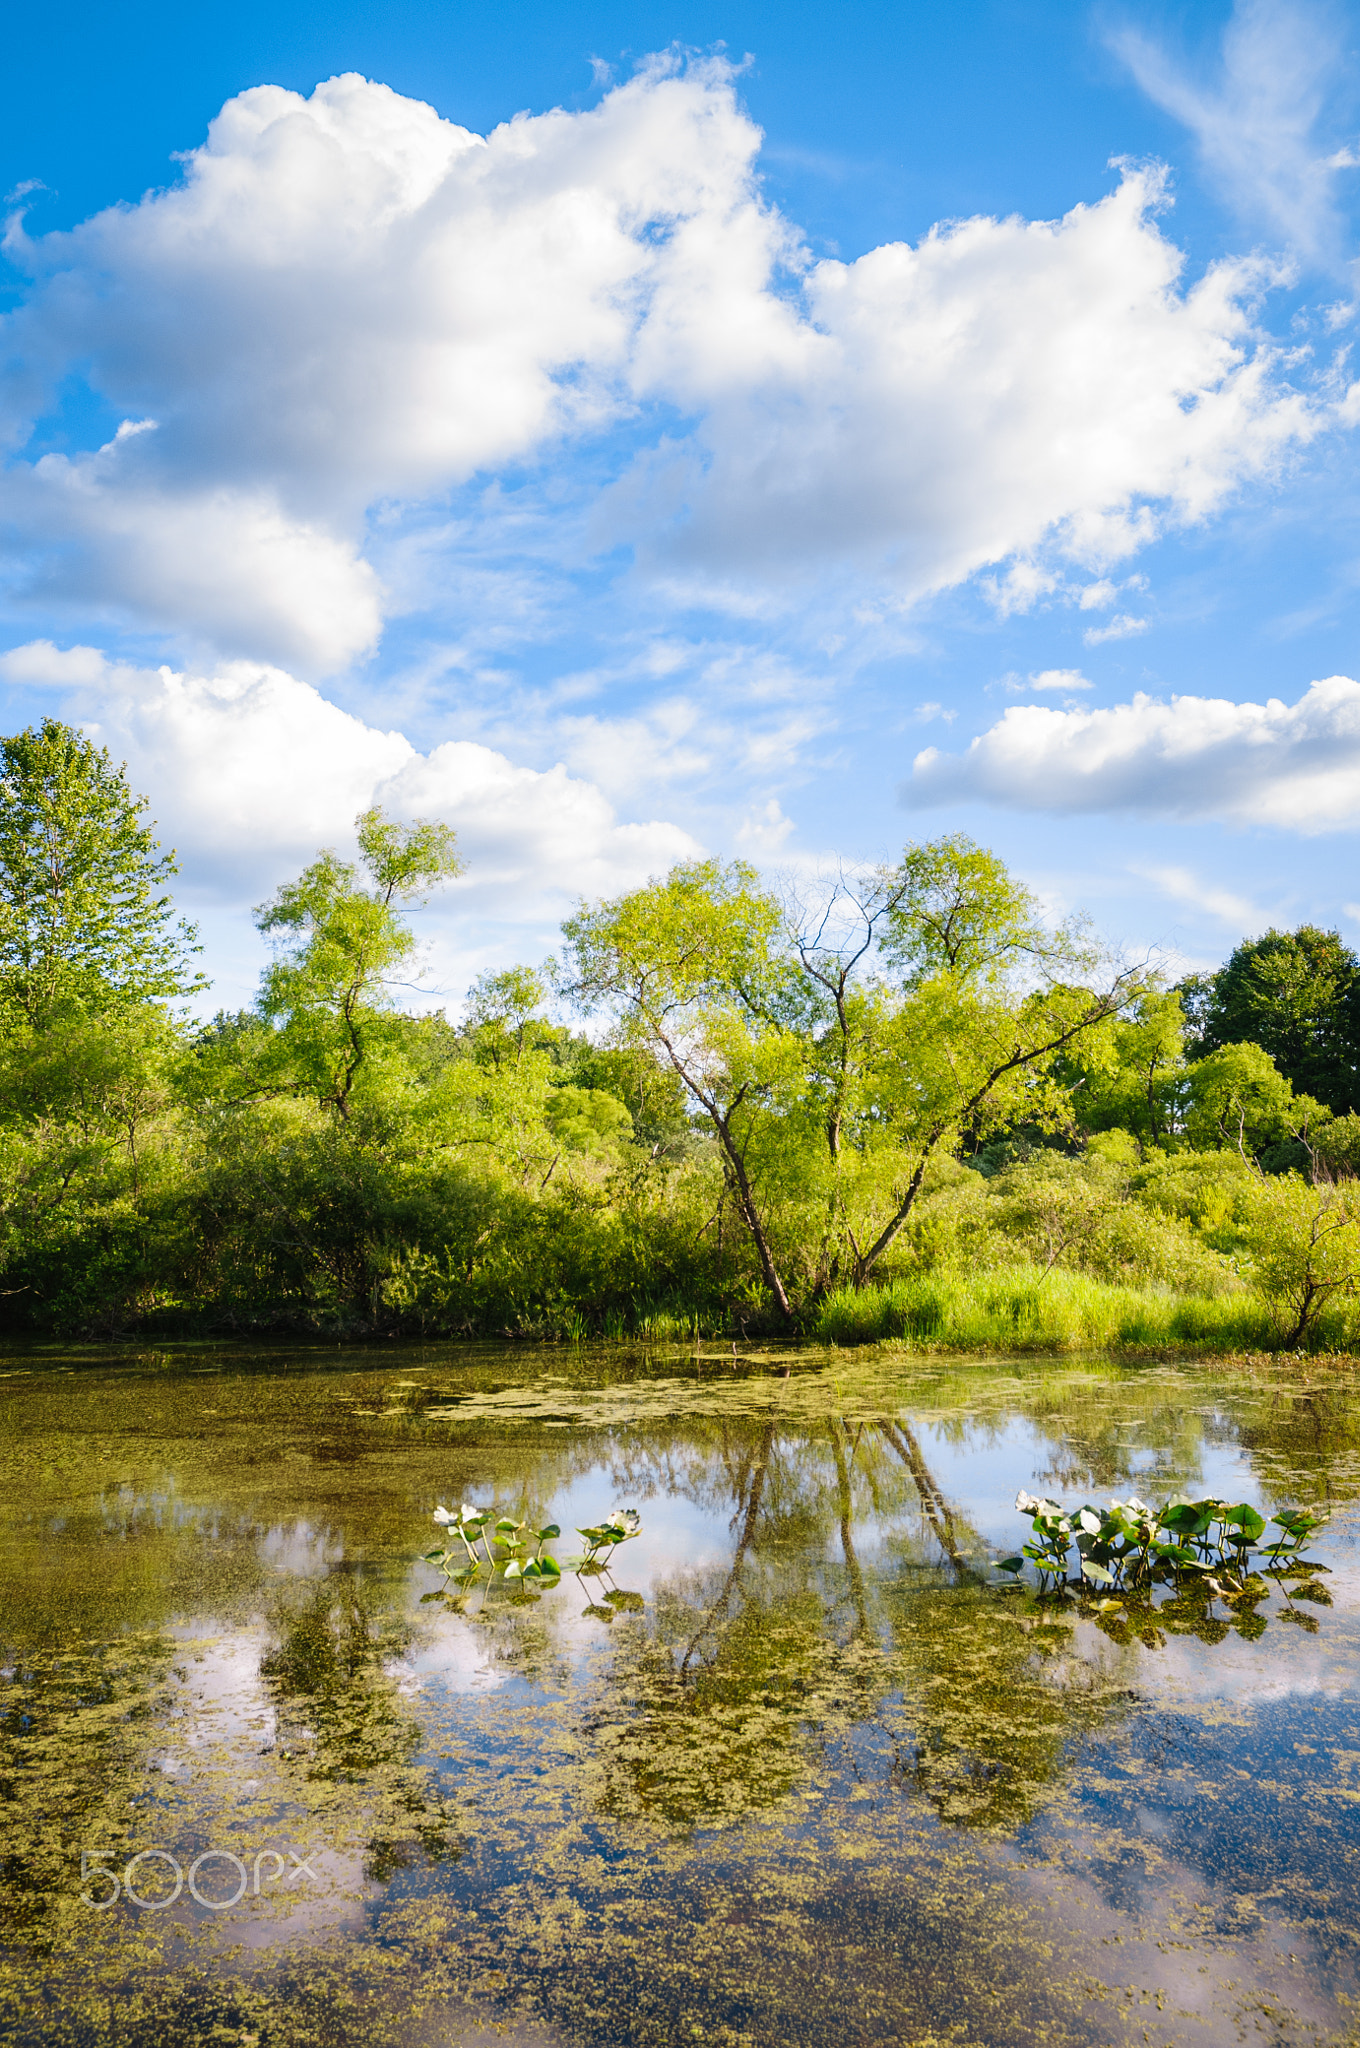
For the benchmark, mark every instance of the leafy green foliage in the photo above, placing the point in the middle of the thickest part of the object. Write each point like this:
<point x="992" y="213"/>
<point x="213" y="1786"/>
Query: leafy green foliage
<point x="770" y="1132"/>
<point x="1140" y="1089"/>
<point x="85" y="917"/>
<point x="1297" y="996"/>
<point x="1130" y="1547"/>
<point x="1305" y="1248"/>
<point x="1237" y="1096"/>
<point x="952" y="908"/>
<point x="513" y="1549"/>
<point x="829" y="1089"/>
<point x="341" y="944"/>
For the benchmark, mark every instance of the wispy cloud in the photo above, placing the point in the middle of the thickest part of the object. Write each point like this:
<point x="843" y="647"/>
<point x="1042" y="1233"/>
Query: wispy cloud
<point x="1123" y="626"/>
<point x="1267" y="124"/>
<point x="1182" y="885"/>
<point x="1068" y="683"/>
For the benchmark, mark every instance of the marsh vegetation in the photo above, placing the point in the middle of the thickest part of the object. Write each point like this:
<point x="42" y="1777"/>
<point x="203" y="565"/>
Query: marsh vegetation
<point x="906" y="1106"/>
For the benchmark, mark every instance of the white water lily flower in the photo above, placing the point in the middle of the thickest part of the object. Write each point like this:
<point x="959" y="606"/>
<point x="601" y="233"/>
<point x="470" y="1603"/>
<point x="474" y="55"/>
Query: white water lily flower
<point x="1027" y="1504"/>
<point x="629" y="1518"/>
<point x="444" y="1518"/>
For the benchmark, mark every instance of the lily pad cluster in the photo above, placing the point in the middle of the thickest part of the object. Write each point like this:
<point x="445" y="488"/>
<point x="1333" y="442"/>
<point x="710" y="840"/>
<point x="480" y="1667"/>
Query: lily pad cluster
<point x="512" y="1548"/>
<point x="1130" y="1547"/>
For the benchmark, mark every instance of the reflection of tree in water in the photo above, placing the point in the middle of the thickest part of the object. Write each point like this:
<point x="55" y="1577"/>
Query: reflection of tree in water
<point x="523" y="1644"/>
<point x="750" y="1680"/>
<point x="342" y="1721"/>
<point x="1099" y="1446"/>
<point x="1304" y="1439"/>
<point x="1105" y="1431"/>
<point x="717" y="1689"/>
<point x="995" y="1704"/>
<point x="1146" y="1429"/>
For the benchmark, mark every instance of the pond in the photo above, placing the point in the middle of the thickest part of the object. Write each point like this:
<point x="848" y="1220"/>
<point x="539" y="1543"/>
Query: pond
<point x="796" y="1772"/>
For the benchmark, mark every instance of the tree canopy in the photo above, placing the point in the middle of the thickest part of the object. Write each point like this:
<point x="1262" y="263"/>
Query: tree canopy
<point x="1296" y="995"/>
<point x="341" y="942"/>
<point x="835" y="1050"/>
<point x="85" y="912"/>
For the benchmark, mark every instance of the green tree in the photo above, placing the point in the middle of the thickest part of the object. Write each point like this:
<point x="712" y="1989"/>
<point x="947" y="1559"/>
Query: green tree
<point x="692" y="968"/>
<point x="84" y="913"/>
<point x="1238" y="1097"/>
<point x="91" y="1165"/>
<point x="1305" y="1248"/>
<point x="1142" y="1091"/>
<point x="987" y="1004"/>
<point x="829" y="1088"/>
<point x="1297" y="995"/>
<point x="951" y="906"/>
<point x="503" y="1015"/>
<point x="343" y="942"/>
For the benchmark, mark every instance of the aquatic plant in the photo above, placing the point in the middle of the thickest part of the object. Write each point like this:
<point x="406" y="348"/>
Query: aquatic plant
<point x="503" y="1545"/>
<point x="1129" y="1546"/>
<point x="602" y="1539"/>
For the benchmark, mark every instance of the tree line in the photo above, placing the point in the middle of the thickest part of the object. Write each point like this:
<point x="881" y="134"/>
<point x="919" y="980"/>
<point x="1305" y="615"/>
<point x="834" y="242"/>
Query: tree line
<point x="763" y="1104"/>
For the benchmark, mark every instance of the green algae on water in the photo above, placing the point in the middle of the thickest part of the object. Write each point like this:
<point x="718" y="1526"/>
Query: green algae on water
<point x="800" y="1776"/>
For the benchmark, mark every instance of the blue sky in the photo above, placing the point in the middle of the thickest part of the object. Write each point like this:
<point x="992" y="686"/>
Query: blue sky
<point x="633" y="431"/>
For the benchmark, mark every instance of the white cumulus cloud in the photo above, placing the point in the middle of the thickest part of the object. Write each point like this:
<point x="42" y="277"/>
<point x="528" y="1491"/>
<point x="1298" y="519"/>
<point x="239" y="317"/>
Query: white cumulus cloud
<point x="250" y="770"/>
<point x="349" y="300"/>
<point x="214" y="564"/>
<point x="1002" y="385"/>
<point x="1290" y="765"/>
<point x="348" y="306"/>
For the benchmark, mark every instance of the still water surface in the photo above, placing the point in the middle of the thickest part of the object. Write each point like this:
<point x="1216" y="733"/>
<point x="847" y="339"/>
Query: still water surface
<point x="796" y="1775"/>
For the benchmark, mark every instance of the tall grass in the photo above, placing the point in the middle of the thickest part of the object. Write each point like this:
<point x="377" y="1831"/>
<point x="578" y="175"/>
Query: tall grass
<point x="1021" y="1308"/>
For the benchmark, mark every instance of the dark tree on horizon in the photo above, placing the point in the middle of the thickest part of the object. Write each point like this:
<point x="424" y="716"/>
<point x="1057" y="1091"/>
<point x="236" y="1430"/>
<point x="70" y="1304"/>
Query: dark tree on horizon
<point x="1296" y="995"/>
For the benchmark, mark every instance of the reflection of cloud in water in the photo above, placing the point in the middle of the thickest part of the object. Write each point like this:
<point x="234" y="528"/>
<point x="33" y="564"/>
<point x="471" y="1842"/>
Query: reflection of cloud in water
<point x="301" y="1550"/>
<point x="926" y="1785"/>
<point x="1158" y="1957"/>
<point x="223" y="1699"/>
<point x="981" y="1467"/>
<point x="460" y="1654"/>
<point x="331" y="1902"/>
<point x="1285" y="1661"/>
<point x="455" y="1654"/>
<point x="227" y="1788"/>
